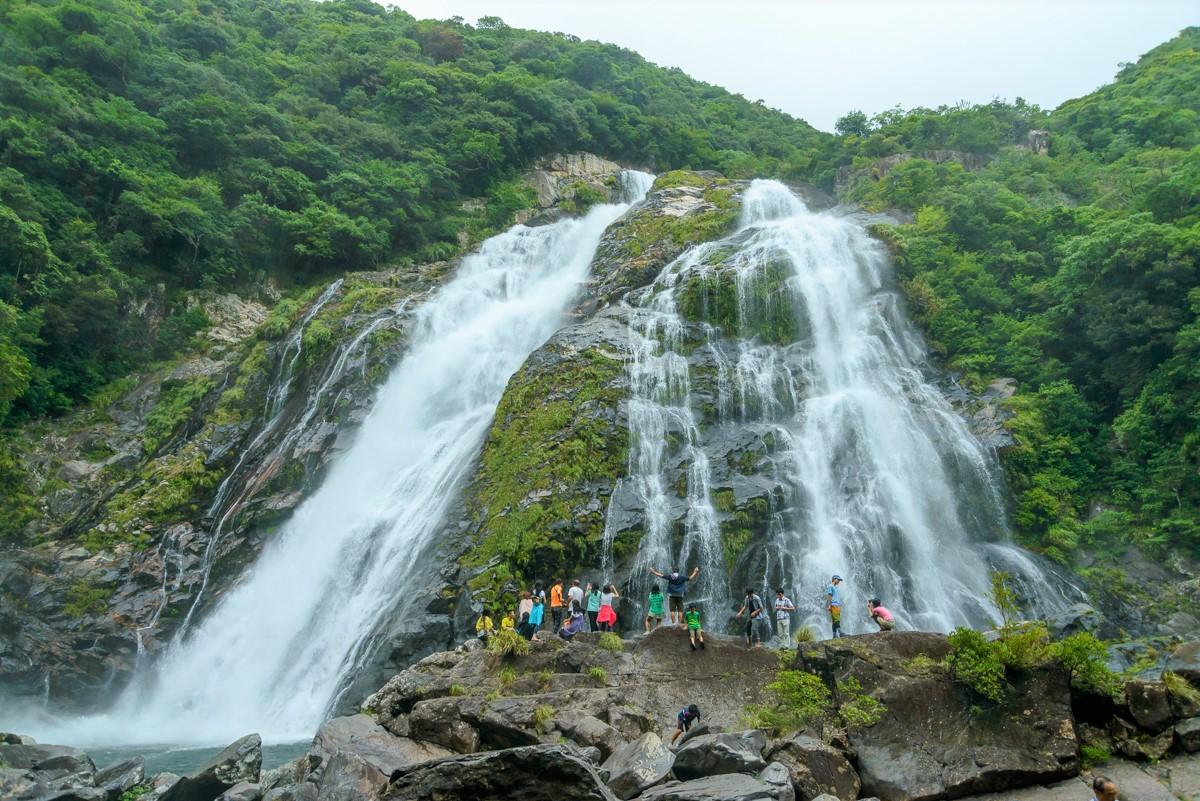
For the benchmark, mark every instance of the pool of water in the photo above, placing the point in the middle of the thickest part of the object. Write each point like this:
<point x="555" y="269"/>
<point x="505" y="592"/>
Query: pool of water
<point x="186" y="759"/>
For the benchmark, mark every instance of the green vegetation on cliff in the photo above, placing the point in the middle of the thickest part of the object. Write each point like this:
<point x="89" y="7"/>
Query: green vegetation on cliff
<point x="1063" y="249"/>
<point x="147" y="147"/>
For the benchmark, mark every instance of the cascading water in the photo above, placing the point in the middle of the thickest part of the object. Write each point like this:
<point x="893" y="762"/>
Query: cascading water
<point x="273" y="654"/>
<point x="873" y="476"/>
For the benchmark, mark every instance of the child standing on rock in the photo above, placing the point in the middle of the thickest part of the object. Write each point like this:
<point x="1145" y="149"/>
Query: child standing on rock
<point x="695" y="633"/>
<point x="654" y="609"/>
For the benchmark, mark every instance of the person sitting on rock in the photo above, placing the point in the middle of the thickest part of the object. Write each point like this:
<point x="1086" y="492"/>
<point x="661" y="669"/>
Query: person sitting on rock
<point x="695" y="633"/>
<point x="755" y="619"/>
<point x="654" y="609"/>
<point x="525" y="628"/>
<point x="484" y="627"/>
<point x="882" y="617"/>
<point x="1104" y="789"/>
<point x="509" y="621"/>
<point x="684" y="720"/>
<point x="574" y="623"/>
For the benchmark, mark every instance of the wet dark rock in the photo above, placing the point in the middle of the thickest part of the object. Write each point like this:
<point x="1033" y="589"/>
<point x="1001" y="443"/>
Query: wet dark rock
<point x="816" y="768"/>
<point x="931" y="743"/>
<point x="1075" y="619"/>
<point x="116" y="779"/>
<point x="242" y="791"/>
<point x="637" y="765"/>
<point x="727" y="787"/>
<point x="53" y="767"/>
<point x="1185" y="661"/>
<point x="779" y="779"/>
<point x="533" y="773"/>
<point x="587" y="730"/>
<point x="712" y="754"/>
<point x="1148" y="704"/>
<point x="240" y="761"/>
<point x="1187" y="733"/>
<point x="376" y="746"/>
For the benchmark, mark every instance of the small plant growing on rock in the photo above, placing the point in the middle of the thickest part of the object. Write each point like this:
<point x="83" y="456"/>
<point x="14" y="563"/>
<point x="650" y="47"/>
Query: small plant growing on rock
<point x="803" y="699"/>
<point x="457" y="690"/>
<point x="611" y="642"/>
<point x="598" y="675"/>
<point x="804" y="634"/>
<point x="544" y="678"/>
<point x="506" y="642"/>
<point x="1179" y="687"/>
<point x="505" y="678"/>
<point x="976" y="663"/>
<point x="542" y="716"/>
<point x="1086" y="662"/>
<point x="1093" y="755"/>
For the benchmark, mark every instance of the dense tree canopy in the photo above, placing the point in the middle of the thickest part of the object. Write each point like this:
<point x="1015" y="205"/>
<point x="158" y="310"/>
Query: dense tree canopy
<point x="151" y="146"/>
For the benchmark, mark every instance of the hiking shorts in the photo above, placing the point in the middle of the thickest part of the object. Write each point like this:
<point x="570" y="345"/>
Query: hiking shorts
<point x="677" y="603"/>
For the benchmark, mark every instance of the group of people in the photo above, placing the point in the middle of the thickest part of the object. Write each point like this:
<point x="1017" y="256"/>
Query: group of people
<point x="572" y="610"/>
<point x="592" y="607"/>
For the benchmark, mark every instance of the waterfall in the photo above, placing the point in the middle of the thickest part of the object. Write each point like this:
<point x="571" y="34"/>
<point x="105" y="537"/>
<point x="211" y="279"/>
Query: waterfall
<point x="804" y="350"/>
<point x="274" y="652"/>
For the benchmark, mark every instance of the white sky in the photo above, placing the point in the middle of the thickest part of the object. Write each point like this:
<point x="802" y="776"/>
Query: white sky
<point x="817" y="59"/>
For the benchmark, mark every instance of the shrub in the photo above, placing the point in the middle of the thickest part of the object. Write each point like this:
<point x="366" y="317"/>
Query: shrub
<point x="611" y="642"/>
<point x="1181" y="688"/>
<point x="1023" y="645"/>
<point x="134" y="793"/>
<point x="1085" y="660"/>
<point x="506" y="642"/>
<point x="598" y="675"/>
<point x="541" y="718"/>
<point x="804" y="634"/>
<point x="803" y="699"/>
<point x="976" y="663"/>
<point x="1093" y="755"/>
<point x="458" y="689"/>
<point x="856" y="709"/>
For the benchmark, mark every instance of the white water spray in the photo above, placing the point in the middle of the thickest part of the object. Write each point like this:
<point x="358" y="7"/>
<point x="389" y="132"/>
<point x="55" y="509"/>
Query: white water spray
<point x="273" y="654"/>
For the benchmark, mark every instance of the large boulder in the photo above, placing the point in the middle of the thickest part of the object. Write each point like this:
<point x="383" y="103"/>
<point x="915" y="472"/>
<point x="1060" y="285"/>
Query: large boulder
<point x="531" y="773"/>
<point x="937" y="739"/>
<point x="726" y="787"/>
<point x="712" y="754"/>
<point x="53" y="767"/>
<point x="349" y="777"/>
<point x="116" y="779"/>
<point x="816" y="768"/>
<point x="1187" y="732"/>
<point x="240" y="761"/>
<point x="779" y="778"/>
<point x="586" y="730"/>
<point x="1149" y="704"/>
<point x="376" y="746"/>
<point x="1185" y="661"/>
<point x="637" y="765"/>
<point x="440" y="721"/>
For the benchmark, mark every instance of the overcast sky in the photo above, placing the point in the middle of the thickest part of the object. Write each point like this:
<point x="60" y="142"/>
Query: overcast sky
<point x="817" y="59"/>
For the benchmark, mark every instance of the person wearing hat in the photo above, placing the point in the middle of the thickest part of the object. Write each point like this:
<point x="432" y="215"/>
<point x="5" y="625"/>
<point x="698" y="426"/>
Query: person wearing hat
<point x="833" y="602"/>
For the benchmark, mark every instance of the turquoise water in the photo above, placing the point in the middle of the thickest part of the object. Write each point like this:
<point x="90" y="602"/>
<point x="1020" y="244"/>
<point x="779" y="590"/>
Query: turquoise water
<point x="182" y="761"/>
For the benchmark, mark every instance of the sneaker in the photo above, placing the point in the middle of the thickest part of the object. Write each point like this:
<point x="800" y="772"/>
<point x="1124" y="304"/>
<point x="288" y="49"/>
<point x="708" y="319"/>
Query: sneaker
<point x="693" y="645"/>
<point x="702" y="645"/>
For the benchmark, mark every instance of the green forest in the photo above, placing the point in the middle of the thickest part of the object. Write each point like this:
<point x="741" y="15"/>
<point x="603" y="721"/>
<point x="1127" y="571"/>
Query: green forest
<point x="151" y="148"/>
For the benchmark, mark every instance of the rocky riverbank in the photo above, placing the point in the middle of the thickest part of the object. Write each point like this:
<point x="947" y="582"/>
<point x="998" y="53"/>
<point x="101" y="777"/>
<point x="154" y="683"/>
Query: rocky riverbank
<point x="593" y="719"/>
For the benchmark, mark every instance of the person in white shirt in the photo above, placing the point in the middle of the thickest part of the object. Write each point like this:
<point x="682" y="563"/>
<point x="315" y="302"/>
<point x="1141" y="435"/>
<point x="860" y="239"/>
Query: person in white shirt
<point x="575" y="594"/>
<point x="783" y="618"/>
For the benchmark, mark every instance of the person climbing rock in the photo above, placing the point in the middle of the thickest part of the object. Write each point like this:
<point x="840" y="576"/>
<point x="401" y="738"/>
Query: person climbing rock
<point x="677" y="588"/>
<point x="833" y="602"/>
<point x="783" y="618"/>
<point x="654" y="609"/>
<point x="484" y="626"/>
<point x="882" y="617"/>
<point x="593" y="606"/>
<point x="685" y="719"/>
<point x="607" y="617"/>
<point x="695" y="633"/>
<point x="556" y="603"/>
<point x="755" y="612"/>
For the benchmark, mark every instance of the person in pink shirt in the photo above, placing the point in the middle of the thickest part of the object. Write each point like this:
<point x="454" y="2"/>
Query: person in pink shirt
<point x="882" y="617"/>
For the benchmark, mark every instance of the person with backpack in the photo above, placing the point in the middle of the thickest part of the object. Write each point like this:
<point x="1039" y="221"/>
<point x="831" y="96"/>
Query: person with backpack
<point x="677" y="588"/>
<point x="684" y="720"/>
<point x="833" y="602"/>
<point x="755" y="619"/>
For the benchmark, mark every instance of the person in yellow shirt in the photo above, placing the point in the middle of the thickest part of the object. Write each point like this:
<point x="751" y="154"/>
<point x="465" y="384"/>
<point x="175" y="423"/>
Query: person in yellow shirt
<point x="484" y="627"/>
<point x="509" y="621"/>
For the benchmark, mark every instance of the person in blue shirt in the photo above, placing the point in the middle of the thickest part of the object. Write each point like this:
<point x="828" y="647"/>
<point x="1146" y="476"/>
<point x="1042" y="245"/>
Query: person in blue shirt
<point x="833" y="602"/>
<point x="676" y="589"/>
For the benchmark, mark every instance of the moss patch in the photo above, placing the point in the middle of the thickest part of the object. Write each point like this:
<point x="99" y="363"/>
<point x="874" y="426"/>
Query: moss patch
<point x="551" y="439"/>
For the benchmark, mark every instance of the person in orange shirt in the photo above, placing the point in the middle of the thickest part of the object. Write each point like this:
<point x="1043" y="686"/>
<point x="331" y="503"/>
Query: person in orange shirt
<point x="556" y="603"/>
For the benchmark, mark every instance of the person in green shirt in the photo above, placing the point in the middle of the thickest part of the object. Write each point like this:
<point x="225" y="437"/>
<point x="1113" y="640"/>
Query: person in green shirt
<point x="692" y="619"/>
<point x="654" y="613"/>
